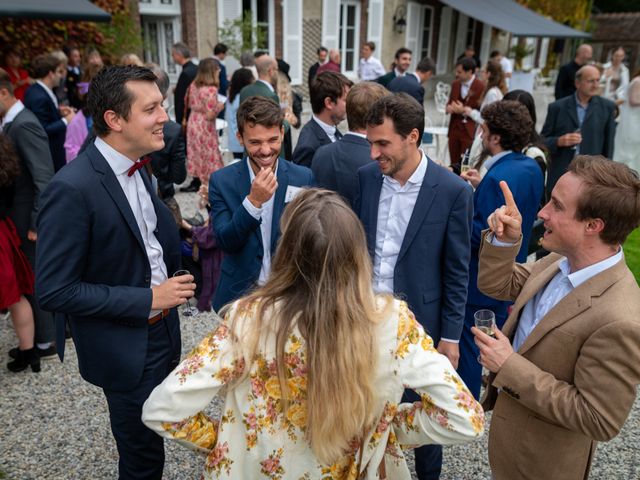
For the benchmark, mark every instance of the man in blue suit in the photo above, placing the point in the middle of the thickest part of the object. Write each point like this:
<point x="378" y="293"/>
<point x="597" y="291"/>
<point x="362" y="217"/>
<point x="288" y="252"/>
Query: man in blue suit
<point x="106" y="254"/>
<point x="40" y="99"/>
<point x="417" y="217"/>
<point x="328" y="102"/>
<point x="411" y="83"/>
<point x="248" y="197"/>
<point x="505" y="132"/>
<point x="335" y="166"/>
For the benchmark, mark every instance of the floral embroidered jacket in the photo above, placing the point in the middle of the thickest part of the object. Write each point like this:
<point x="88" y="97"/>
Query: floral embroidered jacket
<point x="252" y="440"/>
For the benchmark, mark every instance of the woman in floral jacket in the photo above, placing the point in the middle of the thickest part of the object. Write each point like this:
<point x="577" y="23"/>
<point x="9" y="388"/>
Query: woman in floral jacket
<point x="312" y="366"/>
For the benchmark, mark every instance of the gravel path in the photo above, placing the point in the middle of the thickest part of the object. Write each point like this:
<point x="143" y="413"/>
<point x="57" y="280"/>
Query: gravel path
<point x="55" y="426"/>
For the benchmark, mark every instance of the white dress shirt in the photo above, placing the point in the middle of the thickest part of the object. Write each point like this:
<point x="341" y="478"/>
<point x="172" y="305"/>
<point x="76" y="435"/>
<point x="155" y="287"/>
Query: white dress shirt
<point x="267" y="84"/>
<point x="399" y="73"/>
<point x="330" y="130"/>
<point x="561" y="285"/>
<point x="265" y="215"/>
<point x="12" y="113"/>
<point x="394" y="212"/>
<point x="370" y="68"/>
<point x="141" y="205"/>
<point x="464" y="88"/>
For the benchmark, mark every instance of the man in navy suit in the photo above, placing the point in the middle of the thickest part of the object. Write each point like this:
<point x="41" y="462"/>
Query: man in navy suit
<point x="335" y="166"/>
<point x="411" y="83"/>
<point x="106" y="255"/>
<point x="417" y="217"/>
<point x="40" y="99"/>
<point x="505" y="132"/>
<point x="247" y="199"/>
<point x="581" y="123"/>
<point x="328" y="102"/>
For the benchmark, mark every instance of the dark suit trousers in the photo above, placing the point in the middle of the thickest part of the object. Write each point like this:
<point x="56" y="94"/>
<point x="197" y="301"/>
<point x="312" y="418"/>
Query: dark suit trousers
<point x="141" y="450"/>
<point x="428" y="457"/>
<point x="468" y="367"/>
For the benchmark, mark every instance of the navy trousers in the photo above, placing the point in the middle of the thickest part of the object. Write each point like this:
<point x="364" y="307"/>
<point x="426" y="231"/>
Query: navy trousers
<point x="428" y="457"/>
<point x="468" y="367"/>
<point x="141" y="450"/>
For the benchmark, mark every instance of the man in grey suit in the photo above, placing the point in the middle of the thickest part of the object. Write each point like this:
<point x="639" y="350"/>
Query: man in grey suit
<point x="32" y="146"/>
<point x="335" y="166"/>
<point x="411" y="83"/>
<point x="328" y="101"/>
<point x="582" y="123"/>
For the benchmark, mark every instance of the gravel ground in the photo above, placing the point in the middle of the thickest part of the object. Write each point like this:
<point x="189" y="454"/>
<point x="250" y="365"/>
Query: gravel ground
<point x="55" y="426"/>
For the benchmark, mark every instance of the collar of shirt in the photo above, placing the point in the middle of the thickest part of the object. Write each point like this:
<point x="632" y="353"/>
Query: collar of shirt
<point x="13" y="112"/>
<point x="579" y="277"/>
<point x="491" y="162"/>
<point x="361" y="135"/>
<point x="417" y="77"/>
<point x="267" y="84"/>
<point x="579" y="105"/>
<point x="330" y="130"/>
<point x="252" y="175"/>
<point x="416" y="177"/>
<point x="75" y="70"/>
<point x="469" y="82"/>
<point x="49" y="92"/>
<point x="398" y="73"/>
<point x="119" y="163"/>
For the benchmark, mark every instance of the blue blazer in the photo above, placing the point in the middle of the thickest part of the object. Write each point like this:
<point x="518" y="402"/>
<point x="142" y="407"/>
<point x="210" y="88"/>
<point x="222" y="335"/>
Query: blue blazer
<point x="237" y="232"/>
<point x="410" y="85"/>
<point x="527" y="184"/>
<point x="312" y="137"/>
<point x="39" y="102"/>
<point x="92" y="269"/>
<point x="335" y="166"/>
<point x="432" y="269"/>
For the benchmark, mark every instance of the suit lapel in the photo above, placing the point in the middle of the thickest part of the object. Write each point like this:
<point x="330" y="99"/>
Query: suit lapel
<point x="571" y="110"/>
<point x="373" y="211"/>
<point x="574" y="304"/>
<point x="113" y="188"/>
<point x="278" y="202"/>
<point x="529" y="290"/>
<point x="423" y="203"/>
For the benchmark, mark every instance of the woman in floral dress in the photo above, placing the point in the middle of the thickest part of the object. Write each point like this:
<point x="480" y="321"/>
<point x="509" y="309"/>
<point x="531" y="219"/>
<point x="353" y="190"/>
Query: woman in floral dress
<point x="203" y="152"/>
<point x="312" y="366"/>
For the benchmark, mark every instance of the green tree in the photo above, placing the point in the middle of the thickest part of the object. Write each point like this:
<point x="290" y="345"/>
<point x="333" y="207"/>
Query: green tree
<point x="240" y="35"/>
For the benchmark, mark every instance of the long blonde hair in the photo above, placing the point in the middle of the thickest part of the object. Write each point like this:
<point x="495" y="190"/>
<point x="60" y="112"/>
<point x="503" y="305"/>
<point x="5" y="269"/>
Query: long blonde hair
<point x="208" y="73"/>
<point x="321" y="281"/>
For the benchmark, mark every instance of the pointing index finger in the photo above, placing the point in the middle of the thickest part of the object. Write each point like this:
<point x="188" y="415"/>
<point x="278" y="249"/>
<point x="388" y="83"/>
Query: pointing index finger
<point x="508" y="196"/>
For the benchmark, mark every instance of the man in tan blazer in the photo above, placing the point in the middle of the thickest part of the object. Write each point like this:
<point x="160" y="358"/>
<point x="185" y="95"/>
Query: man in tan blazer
<point x="566" y="366"/>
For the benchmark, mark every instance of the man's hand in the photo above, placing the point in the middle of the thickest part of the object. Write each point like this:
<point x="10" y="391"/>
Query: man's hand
<point x="506" y="221"/>
<point x="67" y="112"/>
<point x="450" y="350"/>
<point x="456" y="107"/>
<point x="472" y="176"/>
<point x="32" y="236"/>
<point x="569" y="139"/>
<point x="493" y="351"/>
<point x="263" y="187"/>
<point x="173" y="292"/>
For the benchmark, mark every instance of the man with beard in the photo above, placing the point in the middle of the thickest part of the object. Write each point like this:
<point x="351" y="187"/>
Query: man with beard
<point x="247" y="199"/>
<point x="505" y="132"/>
<point x="40" y="99"/>
<point x="417" y="217"/>
<point x="329" y="104"/>
<point x="401" y="64"/>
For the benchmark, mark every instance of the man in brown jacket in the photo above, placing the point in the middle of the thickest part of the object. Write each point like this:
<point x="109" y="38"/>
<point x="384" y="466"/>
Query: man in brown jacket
<point x="566" y="366"/>
<point x="466" y="91"/>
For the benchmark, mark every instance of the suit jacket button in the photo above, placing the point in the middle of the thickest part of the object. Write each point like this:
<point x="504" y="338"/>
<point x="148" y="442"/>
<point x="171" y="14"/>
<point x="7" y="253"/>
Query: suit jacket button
<point x="147" y="279"/>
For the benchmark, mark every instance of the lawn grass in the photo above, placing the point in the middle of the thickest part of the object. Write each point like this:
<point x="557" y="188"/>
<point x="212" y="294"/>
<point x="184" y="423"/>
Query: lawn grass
<point x="632" y="253"/>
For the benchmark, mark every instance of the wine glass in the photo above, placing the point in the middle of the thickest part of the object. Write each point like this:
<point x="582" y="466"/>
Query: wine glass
<point x="485" y="321"/>
<point x="188" y="310"/>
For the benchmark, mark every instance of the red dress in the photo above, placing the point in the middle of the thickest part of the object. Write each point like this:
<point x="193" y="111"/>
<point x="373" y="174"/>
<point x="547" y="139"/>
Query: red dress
<point x="16" y="275"/>
<point x="15" y="75"/>
<point x="203" y="152"/>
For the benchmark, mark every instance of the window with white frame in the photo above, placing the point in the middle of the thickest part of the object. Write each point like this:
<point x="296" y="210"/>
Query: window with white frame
<point x="349" y="39"/>
<point x="426" y="32"/>
<point x="158" y="36"/>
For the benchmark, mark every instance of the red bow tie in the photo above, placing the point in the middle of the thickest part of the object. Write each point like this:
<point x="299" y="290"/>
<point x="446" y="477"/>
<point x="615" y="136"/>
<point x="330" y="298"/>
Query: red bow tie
<point x="139" y="164"/>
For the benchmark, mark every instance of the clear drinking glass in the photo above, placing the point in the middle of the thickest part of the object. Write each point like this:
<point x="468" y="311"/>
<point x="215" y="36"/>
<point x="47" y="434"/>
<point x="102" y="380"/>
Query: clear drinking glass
<point x="485" y="321"/>
<point x="188" y="310"/>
